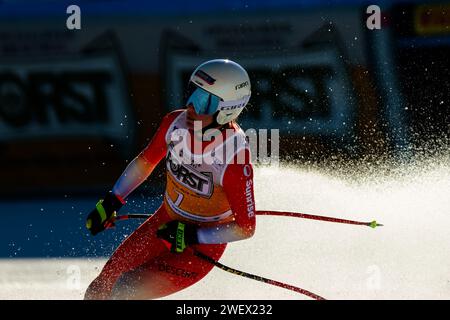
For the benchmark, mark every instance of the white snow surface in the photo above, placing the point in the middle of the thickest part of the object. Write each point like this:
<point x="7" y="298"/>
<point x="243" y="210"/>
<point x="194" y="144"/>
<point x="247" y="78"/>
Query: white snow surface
<point x="408" y="258"/>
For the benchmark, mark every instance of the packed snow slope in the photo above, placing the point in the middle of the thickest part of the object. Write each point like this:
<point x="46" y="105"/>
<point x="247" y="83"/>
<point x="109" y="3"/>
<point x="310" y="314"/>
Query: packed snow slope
<point x="408" y="258"/>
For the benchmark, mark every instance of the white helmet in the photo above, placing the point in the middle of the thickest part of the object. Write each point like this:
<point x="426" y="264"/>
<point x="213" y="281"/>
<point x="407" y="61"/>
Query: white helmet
<point x="219" y="85"/>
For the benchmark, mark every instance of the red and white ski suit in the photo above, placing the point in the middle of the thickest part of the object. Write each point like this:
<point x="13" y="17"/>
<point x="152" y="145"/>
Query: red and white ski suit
<point x="210" y="185"/>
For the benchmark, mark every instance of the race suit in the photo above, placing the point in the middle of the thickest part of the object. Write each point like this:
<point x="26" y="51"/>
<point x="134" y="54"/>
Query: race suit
<point x="209" y="184"/>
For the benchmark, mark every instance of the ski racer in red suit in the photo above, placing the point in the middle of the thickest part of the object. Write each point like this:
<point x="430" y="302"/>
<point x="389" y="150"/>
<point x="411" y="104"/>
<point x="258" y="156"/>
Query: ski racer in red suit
<point x="208" y="200"/>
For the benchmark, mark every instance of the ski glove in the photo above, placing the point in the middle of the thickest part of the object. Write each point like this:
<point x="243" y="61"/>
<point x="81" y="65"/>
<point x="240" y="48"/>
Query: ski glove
<point x="178" y="234"/>
<point x="103" y="215"/>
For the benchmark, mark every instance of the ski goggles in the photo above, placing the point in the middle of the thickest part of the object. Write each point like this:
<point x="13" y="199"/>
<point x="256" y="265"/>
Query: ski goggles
<point x="203" y="101"/>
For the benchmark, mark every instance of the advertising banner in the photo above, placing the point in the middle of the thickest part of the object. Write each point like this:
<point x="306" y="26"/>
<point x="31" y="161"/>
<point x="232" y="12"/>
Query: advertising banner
<point x="69" y="97"/>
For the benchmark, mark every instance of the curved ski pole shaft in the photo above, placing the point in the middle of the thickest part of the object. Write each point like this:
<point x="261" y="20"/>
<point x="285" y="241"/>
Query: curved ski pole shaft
<point x="132" y="216"/>
<point x="257" y="278"/>
<point x="371" y="224"/>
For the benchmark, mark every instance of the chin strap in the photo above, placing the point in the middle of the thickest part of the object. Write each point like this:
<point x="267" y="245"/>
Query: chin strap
<point x="215" y="124"/>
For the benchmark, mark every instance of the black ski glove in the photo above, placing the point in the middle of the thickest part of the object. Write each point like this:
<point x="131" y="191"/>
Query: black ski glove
<point x="178" y="234"/>
<point x="103" y="214"/>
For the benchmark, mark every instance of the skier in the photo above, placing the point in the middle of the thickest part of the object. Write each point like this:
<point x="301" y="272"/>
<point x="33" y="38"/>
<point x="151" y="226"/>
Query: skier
<point x="208" y="200"/>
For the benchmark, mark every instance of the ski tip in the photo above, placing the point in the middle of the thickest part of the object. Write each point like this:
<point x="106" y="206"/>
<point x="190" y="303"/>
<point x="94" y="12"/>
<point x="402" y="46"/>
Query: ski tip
<point x="374" y="224"/>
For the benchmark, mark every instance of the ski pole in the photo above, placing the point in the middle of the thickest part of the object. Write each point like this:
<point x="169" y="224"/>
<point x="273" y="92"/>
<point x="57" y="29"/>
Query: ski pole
<point x="132" y="216"/>
<point x="255" y="277"/>
<point x="372" y="224"/>
<point x="232" y="270"/>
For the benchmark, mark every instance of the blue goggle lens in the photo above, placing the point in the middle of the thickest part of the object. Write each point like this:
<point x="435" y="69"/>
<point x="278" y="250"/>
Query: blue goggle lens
<point x="203" y="102"/>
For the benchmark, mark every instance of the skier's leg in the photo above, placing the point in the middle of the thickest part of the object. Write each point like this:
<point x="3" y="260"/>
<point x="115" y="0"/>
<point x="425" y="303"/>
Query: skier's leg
<point x="166" y="274"/>
<point x="141" y="246"/>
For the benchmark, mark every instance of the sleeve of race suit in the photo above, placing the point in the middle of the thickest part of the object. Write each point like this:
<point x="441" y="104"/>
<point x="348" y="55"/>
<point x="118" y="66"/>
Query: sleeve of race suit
<point x="142" y="166"/>
<point x="238" y="186"/>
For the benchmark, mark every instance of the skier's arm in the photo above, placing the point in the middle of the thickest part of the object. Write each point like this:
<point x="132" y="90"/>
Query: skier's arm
<point x="142" y="166"/>
<point x="135" y="173"/>
<point x="238" y="185"/>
